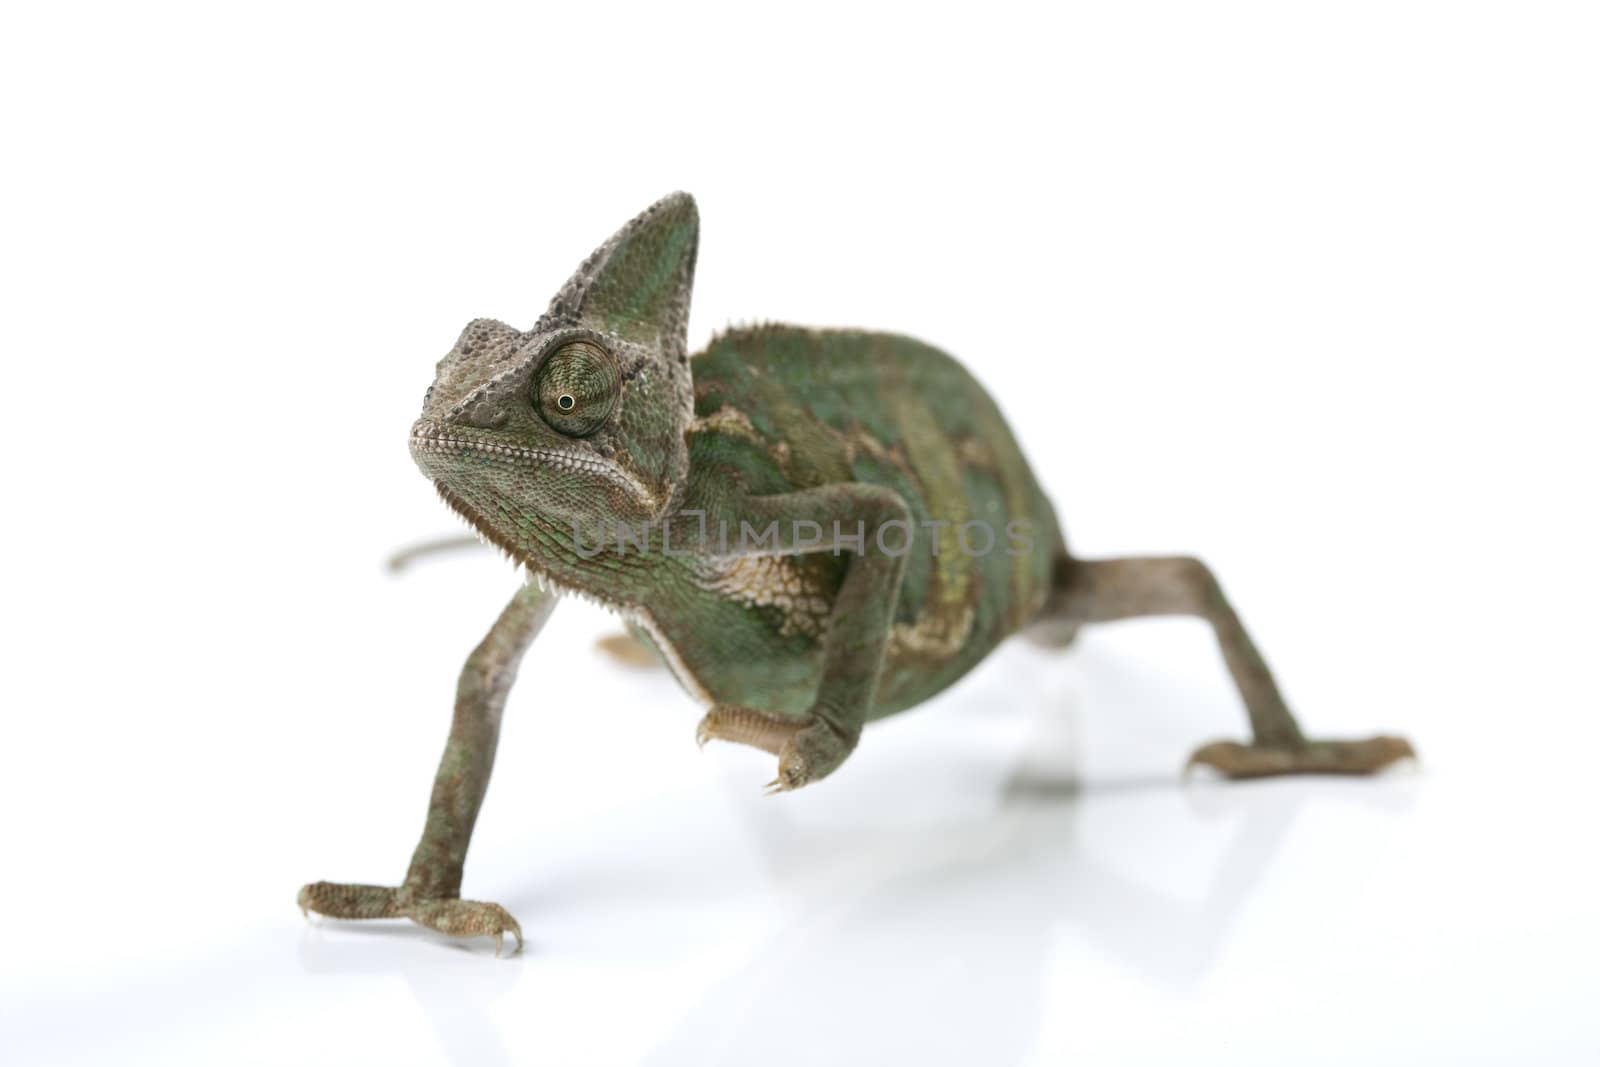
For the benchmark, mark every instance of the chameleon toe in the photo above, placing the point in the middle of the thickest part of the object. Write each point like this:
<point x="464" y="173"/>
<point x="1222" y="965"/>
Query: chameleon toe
<point x="345" y="901"/>
<point x="467" y="918"/>
<point x="1366" y="756"/>
<point x="747" y="726"/>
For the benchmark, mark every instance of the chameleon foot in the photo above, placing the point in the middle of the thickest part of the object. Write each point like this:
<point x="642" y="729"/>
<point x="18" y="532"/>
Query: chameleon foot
<point x="808" y="749"/>
<point x="1313" y="757"/>
<point x="456" y="918"/>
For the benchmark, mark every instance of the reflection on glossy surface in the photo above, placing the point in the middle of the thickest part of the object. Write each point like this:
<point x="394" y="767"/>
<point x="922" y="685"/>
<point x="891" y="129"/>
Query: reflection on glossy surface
<point x="996" y="880"/>
<point x="901" y="931"/>
<point x="955" y="923"/>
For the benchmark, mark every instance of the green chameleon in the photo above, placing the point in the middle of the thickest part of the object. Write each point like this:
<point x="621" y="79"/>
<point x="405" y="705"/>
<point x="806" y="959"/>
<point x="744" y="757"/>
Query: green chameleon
<point x="812" y="528"/>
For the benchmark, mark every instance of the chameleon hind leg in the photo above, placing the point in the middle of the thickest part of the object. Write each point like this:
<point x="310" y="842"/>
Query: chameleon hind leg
<point x="1090" y="591"/>
<point x="431" y="892"/>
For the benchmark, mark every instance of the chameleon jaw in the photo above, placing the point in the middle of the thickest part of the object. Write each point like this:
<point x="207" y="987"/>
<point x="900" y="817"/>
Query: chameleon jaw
<point x="537" y="574"/>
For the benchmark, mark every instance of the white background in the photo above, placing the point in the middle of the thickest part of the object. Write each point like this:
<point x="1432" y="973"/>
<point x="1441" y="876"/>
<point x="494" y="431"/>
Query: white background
<point x="1306" y="289"/>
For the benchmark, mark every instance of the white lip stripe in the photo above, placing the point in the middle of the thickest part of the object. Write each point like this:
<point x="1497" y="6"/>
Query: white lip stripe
<point x="440" y="442"/>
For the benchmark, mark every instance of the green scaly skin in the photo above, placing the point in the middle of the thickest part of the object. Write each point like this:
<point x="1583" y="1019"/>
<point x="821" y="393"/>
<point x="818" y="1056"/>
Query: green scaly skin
<point x="896" y="535"/>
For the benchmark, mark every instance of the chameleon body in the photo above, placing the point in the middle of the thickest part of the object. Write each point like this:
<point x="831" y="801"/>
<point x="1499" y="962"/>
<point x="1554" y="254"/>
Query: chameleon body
<point x="813" y="528"/>
<point x="881" y="410"/>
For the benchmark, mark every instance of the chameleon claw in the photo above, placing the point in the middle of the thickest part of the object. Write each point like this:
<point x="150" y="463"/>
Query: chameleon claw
<point x="500" y="939"/>
<point x="774" y="787"/>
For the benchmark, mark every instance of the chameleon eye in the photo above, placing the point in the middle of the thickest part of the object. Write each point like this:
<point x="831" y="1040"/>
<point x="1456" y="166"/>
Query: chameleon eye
<point x="576" y="388"/>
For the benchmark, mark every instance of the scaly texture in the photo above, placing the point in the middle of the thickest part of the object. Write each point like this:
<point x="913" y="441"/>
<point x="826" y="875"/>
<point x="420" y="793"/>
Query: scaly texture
<point x="813" y="528"/>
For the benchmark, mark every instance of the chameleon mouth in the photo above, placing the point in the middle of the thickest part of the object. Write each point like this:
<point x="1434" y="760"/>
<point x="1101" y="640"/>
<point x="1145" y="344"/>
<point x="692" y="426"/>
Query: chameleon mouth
<point x="429" y="440"/>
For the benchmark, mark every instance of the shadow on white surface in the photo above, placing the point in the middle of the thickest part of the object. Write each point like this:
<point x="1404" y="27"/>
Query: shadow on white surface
<point x="961" y="928"/>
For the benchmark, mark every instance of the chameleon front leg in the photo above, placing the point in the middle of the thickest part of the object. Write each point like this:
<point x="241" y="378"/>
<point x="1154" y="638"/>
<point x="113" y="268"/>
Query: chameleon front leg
<point x="833" y="518"/>
<point x="430" y="894"/>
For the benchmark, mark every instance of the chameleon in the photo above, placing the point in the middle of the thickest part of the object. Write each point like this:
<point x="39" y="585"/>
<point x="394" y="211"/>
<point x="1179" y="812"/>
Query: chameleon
<point x="814" y="529"/>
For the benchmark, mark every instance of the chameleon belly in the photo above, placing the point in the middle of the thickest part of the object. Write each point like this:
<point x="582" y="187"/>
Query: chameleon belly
<point x="780" y="409"/>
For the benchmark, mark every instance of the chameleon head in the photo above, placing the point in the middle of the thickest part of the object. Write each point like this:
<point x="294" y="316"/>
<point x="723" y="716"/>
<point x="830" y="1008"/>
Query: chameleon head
<point x="580" y="420"/>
